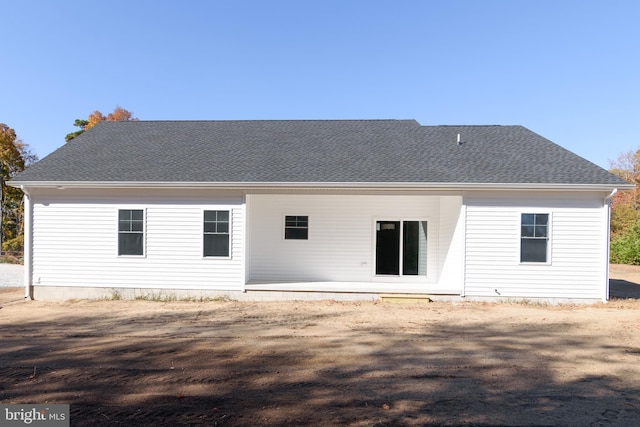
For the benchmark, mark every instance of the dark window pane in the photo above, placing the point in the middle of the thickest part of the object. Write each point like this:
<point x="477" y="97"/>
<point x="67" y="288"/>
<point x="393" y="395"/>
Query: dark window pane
<point x="130" y="220"/>
<point x="296" y="221"/>
<point x="414" y="249"/>
<point x="541" y="231"/>
<point x="216" y="245"/>
<point x="210" y="215"/>
<point x="296" y="233"/>
<point x="291" y="221"/>
<point x="527" y="230"/>
<point x="388" y="247"/>
<point x="130" y="244"/>
<point x="210" y="227"/>
<point x="533" y="250"/>
<point x="542" y="219"/>
<point x="223" y="215"/>
<point x="136" y="215"/>
<point x="528" y="219"/>
<point x="410" y="247"/>
<point x="223" y="227"/>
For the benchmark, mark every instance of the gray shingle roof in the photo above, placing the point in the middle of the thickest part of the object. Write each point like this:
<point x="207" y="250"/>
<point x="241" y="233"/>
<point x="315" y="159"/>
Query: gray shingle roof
<point x="312" y="151"/>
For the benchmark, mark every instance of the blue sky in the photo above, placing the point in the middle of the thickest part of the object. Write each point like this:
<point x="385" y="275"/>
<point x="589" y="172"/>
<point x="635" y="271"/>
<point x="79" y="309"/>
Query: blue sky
<point x="566" y="69"/>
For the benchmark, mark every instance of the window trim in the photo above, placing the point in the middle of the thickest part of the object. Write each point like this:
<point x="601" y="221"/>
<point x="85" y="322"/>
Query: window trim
<point x="144" y="232"/>
<point x="548" y="238"/>
<point x="203" y="233"/>
<point x="284" y="228"/>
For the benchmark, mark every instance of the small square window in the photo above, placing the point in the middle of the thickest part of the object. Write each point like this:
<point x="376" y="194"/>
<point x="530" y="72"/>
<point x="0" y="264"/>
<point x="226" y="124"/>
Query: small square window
<point x="296" y="227"/>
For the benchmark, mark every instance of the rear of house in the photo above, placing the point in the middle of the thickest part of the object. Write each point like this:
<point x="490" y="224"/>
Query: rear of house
<point x="316" y="209"/>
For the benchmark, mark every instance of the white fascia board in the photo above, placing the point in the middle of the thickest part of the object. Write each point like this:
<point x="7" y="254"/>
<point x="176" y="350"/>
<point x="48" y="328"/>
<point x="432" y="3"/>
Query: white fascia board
<point x="392" y="186"/>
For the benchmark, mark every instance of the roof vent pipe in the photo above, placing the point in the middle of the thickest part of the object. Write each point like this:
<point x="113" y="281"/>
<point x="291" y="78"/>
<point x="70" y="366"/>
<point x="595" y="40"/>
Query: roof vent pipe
<point x="459" y="139"/>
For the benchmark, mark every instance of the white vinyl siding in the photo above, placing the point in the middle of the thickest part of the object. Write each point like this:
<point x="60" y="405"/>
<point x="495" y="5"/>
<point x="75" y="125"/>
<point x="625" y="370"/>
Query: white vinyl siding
<point x="75" y="244"/>
<point x="451" y="244"/>
<point x="575" y="262"/>
<point x="472" y="246"/>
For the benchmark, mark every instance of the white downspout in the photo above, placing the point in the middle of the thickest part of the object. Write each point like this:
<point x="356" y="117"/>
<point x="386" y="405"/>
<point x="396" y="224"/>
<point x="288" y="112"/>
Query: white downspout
<point x="607" y="207"/>
<point x="463" y="208"/>
<point x="28" y="261"/>
<point x="245" y="244"/>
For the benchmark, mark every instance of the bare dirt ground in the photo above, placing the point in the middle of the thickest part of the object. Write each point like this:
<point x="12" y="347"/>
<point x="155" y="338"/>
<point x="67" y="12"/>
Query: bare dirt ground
<point x="135" y="363"/>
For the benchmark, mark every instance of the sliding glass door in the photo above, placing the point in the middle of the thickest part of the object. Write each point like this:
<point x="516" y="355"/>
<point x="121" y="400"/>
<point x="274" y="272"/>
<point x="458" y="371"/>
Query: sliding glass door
<point x="401" y="248"/>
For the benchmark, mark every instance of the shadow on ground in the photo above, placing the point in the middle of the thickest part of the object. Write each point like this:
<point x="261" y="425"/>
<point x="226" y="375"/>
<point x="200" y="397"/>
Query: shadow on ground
<point x="233" y="368"/>
<point x="624" y="289"/>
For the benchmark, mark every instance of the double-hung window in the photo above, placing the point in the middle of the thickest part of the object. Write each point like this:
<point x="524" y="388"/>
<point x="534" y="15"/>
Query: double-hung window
<point x="296" y="227"/>
<point x="130" y="232"/>
<point x="534" y="237"/>
<point x="217" y="232"/>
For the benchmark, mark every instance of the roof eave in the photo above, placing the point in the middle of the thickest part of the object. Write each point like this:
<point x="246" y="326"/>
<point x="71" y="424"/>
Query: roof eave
<point x="322" y="185"/>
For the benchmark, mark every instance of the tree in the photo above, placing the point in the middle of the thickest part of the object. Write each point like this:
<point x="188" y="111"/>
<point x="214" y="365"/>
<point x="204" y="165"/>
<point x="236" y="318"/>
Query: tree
<point x="118" y="114"/>
<point x="625" y="211"/>
<point x="15" y="156"/>
<point x="625" y="205"/>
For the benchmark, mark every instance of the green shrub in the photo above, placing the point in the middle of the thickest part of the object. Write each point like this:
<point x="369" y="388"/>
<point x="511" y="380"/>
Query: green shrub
<point x="625" y="249"/>
<point x="13" y="245"/>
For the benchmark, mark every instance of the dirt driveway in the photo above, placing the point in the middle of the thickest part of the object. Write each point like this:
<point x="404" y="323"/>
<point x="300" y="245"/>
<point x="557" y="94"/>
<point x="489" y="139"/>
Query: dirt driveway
<point x="134" y="363"/>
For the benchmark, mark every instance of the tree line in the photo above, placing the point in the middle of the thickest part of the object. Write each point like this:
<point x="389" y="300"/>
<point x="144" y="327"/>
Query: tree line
<point x="625" y="211"/>
<point x="16" y="156"/>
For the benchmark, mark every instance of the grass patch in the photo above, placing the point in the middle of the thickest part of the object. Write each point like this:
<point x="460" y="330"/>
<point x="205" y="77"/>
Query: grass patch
<point x="11" y="259"/>
<point x="158" y="297"/>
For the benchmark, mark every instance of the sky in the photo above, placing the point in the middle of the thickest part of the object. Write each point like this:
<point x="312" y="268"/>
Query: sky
<point x="568" y="70"/>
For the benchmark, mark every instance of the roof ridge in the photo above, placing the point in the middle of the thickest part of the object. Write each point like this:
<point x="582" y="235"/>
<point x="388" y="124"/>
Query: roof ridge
<point x="258" y="120"/>
<point x="473" y="126"/>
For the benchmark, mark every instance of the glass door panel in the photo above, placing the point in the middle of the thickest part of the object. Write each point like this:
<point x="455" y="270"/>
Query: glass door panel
<point x="388" y="247"/>
<point x="414" y="248"/>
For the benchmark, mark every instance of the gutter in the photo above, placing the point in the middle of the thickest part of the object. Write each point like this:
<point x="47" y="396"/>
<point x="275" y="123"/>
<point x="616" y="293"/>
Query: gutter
<point x="388" y="186"/>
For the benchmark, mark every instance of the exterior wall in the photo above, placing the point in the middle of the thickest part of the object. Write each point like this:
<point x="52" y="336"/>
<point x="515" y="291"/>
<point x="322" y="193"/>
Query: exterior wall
<point x="341" y="244"/>
<point x="473" y="242"/>
<point x="75" y="240"/>
<point x="578" y="244"/>
<point x="451" y="244"/>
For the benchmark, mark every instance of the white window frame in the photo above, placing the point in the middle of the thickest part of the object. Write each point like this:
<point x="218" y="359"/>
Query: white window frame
<point x="144" y="231"/>
<point x="230" y="233"/>
<point x="549" y="236"/>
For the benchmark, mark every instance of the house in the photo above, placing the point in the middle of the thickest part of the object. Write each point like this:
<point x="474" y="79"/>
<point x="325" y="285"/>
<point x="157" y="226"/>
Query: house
<point x="316" y="209"/>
